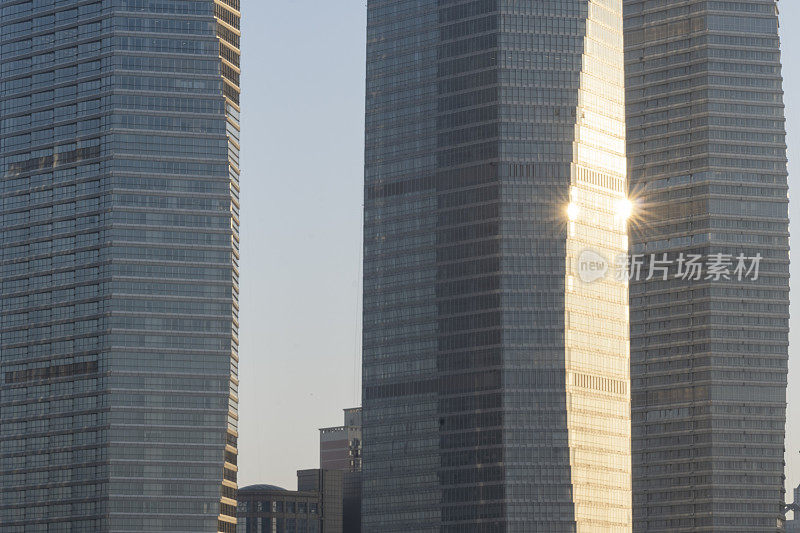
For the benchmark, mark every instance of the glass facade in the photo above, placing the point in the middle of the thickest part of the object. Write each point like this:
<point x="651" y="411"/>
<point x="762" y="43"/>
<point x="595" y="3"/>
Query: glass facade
<point x="118" y="340"/>
<point x="496" y="393"/>
<point x="707" y="163"/>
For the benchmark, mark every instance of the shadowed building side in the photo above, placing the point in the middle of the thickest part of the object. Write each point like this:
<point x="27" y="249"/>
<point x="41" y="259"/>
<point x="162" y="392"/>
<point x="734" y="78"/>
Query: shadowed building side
<point x="118" y="331"/>
<point x="707" y="168"/>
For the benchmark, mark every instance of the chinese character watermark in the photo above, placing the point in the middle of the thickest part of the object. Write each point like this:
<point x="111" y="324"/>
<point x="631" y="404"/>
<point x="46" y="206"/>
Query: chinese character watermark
<point x="592" y="266"/>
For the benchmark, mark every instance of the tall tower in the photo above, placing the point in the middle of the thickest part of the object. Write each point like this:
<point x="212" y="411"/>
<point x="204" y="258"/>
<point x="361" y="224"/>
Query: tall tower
<point x="706" y="146"/>
<point x="119" y="223"/>
<point x="496" y="378"/>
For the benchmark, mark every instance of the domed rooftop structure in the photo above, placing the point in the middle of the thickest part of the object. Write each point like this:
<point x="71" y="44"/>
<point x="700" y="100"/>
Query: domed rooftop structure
<point x="261" y="488"/>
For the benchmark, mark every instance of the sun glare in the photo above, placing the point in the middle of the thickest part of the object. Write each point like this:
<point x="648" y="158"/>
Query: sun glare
<point x="573" y="211"/>
<point x="624" y="208"/>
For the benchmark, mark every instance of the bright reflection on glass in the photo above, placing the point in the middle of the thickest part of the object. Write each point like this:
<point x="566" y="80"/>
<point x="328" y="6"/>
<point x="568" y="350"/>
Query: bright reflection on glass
<point x="624" y="208"/>
<point x="573" y="211"/>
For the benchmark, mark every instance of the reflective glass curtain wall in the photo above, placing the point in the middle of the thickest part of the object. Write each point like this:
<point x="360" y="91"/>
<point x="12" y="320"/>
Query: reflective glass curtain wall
<point x="496" y="390"/>
<point x="706" y="145"/>
<point x="119" y="161"/>
<point x="400" y="401"/>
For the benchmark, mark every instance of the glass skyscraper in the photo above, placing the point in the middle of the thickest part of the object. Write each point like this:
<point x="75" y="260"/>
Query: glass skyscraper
<point x="706" y="146"/>
<point x="496" y="378"/>
<point x="119" y="224"/>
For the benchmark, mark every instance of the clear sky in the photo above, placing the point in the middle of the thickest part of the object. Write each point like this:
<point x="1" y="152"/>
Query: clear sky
<point x="302" y="161"/>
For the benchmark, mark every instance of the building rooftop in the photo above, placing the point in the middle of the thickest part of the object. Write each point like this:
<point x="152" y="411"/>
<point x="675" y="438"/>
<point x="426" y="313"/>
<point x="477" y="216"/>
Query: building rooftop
<point x="262" y="488"/>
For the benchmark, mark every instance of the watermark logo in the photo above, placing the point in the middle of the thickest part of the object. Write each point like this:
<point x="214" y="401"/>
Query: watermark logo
<point x="591" y="266"/>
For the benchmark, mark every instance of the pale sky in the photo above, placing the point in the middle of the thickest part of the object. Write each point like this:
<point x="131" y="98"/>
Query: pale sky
<point x="302" y="161"/>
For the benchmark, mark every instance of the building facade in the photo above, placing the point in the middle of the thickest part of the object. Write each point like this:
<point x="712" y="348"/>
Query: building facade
<point x="119" y="223"/>
<point x="271" y="509"/>
<point x="328" y="483"/>
<point x="340" y="446"/>
<point x="496" y="393"/>
<point x="340" y="449"/>
<point x="316" y="506"/>
<point x="793" y="525"/>
<point x="707" y="169"/>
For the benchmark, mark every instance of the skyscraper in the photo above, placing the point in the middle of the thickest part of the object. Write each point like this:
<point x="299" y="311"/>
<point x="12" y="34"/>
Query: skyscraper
<point x="496" y="393"/>
<point x="708" y="172"/>
<point x="118" y="332"/>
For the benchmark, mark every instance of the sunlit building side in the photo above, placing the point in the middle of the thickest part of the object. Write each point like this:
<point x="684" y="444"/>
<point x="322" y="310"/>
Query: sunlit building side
<point x="496" y="379"/>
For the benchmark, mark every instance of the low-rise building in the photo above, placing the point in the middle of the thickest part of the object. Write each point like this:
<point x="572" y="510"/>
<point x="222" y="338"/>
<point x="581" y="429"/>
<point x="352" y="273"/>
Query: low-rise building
<point x="316" y="507"/>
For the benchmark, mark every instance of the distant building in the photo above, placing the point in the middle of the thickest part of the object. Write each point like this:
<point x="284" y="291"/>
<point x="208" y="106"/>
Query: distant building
<point x="793" y="526"/>
<point x="340" y="449"/>
<point x="351" y="502"/>
<point x="269" y="508"/>
<point x="316" y="507"/>
<point x="327" y="483"/>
